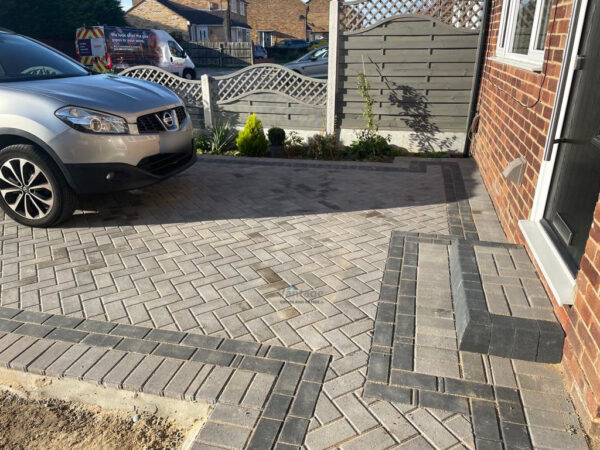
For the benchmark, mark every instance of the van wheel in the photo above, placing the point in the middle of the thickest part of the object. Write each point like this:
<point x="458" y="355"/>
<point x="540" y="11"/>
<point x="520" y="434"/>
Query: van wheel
<point x="32" y="190"/>
<point x="189" y="74"/>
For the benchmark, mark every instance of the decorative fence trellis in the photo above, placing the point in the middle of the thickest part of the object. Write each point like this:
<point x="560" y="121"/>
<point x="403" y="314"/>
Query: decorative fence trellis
<point x="279" y="96"/>
<point x="419" y="57"/>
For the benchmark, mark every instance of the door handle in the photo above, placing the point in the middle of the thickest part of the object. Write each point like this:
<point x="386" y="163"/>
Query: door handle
<point x="569" y="141"/>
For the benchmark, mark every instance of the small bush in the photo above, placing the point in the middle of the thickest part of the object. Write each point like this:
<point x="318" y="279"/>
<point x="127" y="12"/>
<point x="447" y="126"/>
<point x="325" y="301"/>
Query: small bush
<point x="369" y="146"/>
<point x="322" y="146"/>
<point x="218" y="141"/>
<point x="276" y="136"/>
<point x="222" y="138"/>
<point x="251" y="141"/>
<point x="294" y="145"/>
<point x="202" y="143"/>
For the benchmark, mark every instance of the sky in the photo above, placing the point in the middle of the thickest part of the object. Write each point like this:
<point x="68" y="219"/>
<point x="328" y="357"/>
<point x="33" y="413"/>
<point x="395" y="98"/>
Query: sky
<point x="126" y="4"/>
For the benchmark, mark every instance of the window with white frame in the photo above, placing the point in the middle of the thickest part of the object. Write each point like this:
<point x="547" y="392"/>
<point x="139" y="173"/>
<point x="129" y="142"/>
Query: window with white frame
<point x="234" y="6"/>
<point x="243" y="9"/>
<point x="523" y="29"/>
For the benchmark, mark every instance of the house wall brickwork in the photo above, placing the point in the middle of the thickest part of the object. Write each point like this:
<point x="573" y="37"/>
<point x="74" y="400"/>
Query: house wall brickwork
<point x="515" y="108"/>
<point x="151" y="14"/>
<point x="285" y="18"/>
<point x="318" y="15"/>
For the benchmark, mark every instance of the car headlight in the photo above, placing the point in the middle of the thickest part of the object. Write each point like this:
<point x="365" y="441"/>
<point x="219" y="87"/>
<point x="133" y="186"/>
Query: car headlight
<point x="90" y="121"/>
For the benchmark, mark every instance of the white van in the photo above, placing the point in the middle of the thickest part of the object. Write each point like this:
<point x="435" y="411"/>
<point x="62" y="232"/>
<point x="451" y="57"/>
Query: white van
<point x="116" y="48"/>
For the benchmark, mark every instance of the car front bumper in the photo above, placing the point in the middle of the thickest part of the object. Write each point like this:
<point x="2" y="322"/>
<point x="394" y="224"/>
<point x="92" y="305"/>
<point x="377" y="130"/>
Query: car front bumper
<point x="98" y="178"/>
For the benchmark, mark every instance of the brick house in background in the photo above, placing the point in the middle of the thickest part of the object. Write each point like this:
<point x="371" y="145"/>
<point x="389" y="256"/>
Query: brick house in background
<point x="191" y="20"/>
<point x="539" y="110"/>
<point x="276" y="20"/>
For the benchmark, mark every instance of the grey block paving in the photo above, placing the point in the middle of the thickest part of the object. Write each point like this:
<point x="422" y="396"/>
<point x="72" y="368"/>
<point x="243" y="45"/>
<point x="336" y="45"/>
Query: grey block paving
<point x="215" y="267"/>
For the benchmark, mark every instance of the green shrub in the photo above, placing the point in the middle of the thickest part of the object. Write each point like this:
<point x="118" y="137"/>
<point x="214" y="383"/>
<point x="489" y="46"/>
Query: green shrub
<point x="294" y="145"/>
<point x="218" y="141"/>
<point x="276" y="136"/>
<point x="369" y="146"/>
<point x="202" y="143"/>
<point x="251" y="141"/>
<point x="222" y="138"/>
<point x="322" y="146"/>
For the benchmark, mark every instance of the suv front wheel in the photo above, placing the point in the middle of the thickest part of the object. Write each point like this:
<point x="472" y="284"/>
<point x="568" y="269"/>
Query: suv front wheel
<point x="32" y="190"/>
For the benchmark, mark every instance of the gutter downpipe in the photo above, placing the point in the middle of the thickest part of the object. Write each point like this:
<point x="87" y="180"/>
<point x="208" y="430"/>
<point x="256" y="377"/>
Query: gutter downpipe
<point x="478" y="72"/>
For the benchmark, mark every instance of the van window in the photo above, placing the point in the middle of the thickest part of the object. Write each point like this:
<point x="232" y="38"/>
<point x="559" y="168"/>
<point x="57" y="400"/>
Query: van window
<point x="176" y="50"/>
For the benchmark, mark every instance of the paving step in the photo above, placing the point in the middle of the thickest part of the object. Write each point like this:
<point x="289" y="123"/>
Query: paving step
<point x="524" y="326"/>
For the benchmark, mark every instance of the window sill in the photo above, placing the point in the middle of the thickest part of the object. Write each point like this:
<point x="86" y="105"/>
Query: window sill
<point x="557" y="275"/>
<point x="525" y="65"/>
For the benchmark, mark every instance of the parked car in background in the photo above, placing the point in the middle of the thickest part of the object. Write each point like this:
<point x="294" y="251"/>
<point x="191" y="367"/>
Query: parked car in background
<point x="292" y="43"/>
<point x="116" y="48"/>
<point x="260" y="52"/>
<point x="65" y="130"/>
<point x="314" y="64"/>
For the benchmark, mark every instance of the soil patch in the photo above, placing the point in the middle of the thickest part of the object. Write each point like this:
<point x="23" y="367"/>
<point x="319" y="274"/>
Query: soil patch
<point x="52" y="424"/>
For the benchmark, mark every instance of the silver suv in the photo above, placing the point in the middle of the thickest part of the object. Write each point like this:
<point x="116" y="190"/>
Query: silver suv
<point x="66" y="131"/>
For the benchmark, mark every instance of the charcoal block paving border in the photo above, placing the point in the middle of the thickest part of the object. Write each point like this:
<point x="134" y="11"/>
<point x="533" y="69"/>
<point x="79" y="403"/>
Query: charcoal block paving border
<point x="460" y="215"/>
<point x="50" y="344"/>
<point x="480" y="331"/>
<point x="497" y="412"/>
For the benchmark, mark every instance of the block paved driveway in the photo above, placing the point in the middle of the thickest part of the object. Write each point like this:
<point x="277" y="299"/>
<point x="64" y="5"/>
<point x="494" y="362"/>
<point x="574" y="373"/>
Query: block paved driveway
<point x="286" y="254"/>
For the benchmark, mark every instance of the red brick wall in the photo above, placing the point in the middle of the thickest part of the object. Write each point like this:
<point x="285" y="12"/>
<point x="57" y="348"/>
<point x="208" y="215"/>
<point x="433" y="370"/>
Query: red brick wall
<point x="281" y="16"/>
<point x="515" y="108"/>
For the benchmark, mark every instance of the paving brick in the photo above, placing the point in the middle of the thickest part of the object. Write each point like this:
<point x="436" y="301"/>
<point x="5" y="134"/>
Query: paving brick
<point x="389" y="393"/>
<point x="17" y="347"/>
<point x="378" y="438"/>
<point x="259" y="390"/>
<point x="293" y="431"/>
<point x="306" y="399"/>
<point x="66" y="360"/>
<point x="355" y="412"/>
<point x="235" y="415"/>
<point x="66" y="335"/>
<point x="289" y="379"/>
<point x="180" y="382"/>
<point x="97" y="373"/>
<point x="28" y="356"/>
<point x="213" y="385"/>
<point x="161" y="377"/>
<point x="8" y="326"/>
<point x="137" y="378"/>
<point x="85" y="362"/>
<point x="95" y="326"/>
<point x="136" y="345"/>
<point x="329" y="435"/>
<point x="48" y="357"/>
<point x="223" y="435"/>
<point x="425" y="423"/>
<point x="278" y="406"/>
<point x="196" y="340"/>
<point x="261" y="365"/>
<point x="213" y="357"/>
<point x="101" y="340"/>
<point x="122" y="370"/>
<point x="174" y="351"/>
<point x="265" y="435"/>
<point x="237" y="386"/>
<point x="33" y="330"/>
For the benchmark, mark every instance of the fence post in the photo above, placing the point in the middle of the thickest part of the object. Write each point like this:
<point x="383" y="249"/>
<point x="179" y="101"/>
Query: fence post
<point x="207" y="101"/>
<point x="332" y="75"/>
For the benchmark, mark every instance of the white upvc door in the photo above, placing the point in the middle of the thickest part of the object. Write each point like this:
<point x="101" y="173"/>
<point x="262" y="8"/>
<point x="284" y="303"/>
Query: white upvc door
<point x="550" y="260"/>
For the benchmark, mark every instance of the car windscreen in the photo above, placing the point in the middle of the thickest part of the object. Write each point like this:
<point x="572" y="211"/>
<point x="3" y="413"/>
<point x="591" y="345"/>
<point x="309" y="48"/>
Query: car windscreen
<point x="22" y="59"/>
<point x="315" y="54"/>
